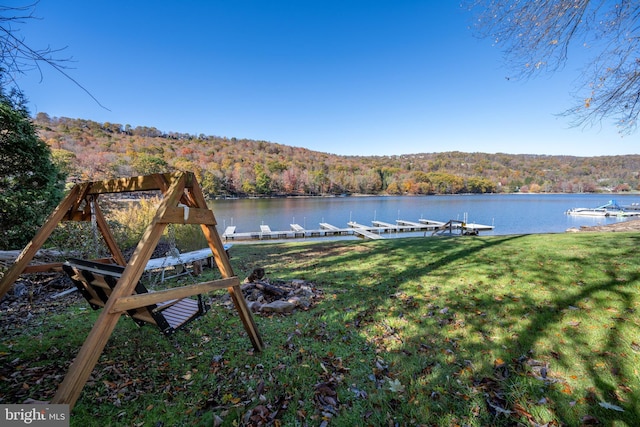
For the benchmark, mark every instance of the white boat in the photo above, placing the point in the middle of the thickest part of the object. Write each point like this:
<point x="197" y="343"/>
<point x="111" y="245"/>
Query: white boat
<point x="588" y="212"/>
<point x="609" y="209"/>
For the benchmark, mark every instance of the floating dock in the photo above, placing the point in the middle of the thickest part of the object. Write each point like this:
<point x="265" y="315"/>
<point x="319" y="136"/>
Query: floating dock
<point x="364" y="231"/>
<point x="375" y="231"/>
<point x="461" y="227"/>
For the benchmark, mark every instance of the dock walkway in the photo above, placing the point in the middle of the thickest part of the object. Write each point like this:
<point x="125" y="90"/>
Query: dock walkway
<point x="353" y="228"/>
<point x="364" y="231"/>
<point x="462" y="227"/>
<point x="431" y="223"/>
<point x="390" y="227"/>
<point x="332" y="230"/>
<point x="298" y="230"/>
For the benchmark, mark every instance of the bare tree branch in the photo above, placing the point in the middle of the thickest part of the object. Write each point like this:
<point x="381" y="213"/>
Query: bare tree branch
<point x="539" y="35"/>
<point x="17" y="57"/>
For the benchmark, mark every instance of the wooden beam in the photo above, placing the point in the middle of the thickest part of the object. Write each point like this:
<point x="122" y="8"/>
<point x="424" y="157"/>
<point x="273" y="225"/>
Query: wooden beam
<point x="75" y="213"/>
<point x="144" y="300"/>
<point x="247" y="319"/>
<point x="224" y="265"/>
<point x="193" y="216"/>
<point x="137" y="183"/>
<point x="38" y="240"/>
<point x="105" y="230"/>
<point x="43" y="268"/>
<point x="163" y="182"/>
<point x="71" y="387"/>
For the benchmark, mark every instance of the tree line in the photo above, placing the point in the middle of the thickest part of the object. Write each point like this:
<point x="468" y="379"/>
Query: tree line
<point x="88" y="150"/>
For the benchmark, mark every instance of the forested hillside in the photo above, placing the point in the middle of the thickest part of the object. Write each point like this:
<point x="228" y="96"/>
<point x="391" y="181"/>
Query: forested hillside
<point x="88" y="150"/>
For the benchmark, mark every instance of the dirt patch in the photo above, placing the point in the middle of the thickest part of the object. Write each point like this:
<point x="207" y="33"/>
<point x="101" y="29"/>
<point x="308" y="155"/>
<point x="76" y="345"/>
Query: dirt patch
<point x="34" y="296"/>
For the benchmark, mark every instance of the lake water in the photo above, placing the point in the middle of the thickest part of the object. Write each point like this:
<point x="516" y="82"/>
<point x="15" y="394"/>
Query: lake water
<point x="508" y="213"/>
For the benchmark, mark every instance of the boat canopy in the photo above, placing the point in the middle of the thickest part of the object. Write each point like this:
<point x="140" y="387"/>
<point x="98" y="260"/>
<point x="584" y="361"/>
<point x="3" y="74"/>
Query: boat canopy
<point x="612" y="204"/>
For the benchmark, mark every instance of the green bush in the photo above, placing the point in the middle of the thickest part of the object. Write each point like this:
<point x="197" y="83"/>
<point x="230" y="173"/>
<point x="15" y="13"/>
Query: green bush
<point x="30" y="184"/>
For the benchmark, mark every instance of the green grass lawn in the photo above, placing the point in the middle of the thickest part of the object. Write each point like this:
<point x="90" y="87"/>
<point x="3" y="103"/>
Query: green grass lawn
<point x="500" y="330"/>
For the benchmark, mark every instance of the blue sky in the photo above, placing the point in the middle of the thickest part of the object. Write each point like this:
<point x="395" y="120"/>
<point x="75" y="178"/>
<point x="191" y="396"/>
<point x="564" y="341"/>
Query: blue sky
<point x="337" y="76"/>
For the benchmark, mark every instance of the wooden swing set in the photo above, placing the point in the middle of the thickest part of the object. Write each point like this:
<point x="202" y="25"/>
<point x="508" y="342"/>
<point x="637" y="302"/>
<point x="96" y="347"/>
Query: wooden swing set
<point x="116" y="288"/>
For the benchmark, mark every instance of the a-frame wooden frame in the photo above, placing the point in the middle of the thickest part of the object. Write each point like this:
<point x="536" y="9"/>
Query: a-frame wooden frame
<point x="182" y="203"/>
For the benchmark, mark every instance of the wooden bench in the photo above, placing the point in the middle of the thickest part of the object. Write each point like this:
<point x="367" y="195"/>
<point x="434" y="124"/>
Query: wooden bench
<point x="95" y="281"/>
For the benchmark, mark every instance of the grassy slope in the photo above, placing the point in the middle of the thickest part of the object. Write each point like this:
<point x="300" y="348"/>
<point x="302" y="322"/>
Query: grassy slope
<point x="435" y="331"/>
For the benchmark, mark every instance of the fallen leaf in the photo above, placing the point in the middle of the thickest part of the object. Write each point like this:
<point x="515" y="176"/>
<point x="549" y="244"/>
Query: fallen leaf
<point x="607" y="405"/>
<point x="395" y="386"/>
<point x="625" y="388"/>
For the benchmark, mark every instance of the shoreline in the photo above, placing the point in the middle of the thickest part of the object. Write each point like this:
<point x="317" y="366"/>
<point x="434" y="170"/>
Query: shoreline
<point x="625" y="226"/>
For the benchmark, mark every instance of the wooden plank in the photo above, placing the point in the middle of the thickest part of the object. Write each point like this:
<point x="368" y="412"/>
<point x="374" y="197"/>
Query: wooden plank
<point x="145" y="316"/>
<point x="100" y="282"/>
<point x="136" y="183"/>
<point x="42" y="268"/>
<point x="96" y="301"/>
<point x="142" y="300"/>
<point x="177" y="215"/>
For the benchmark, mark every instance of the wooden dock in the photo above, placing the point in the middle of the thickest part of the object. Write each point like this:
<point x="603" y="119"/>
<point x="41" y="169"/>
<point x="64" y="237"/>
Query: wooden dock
<point x="374" y="231"/>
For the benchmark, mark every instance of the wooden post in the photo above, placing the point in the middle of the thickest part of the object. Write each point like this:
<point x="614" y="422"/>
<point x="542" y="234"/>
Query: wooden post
<point x="223" y="263"/>
<point x="107" y="235"/>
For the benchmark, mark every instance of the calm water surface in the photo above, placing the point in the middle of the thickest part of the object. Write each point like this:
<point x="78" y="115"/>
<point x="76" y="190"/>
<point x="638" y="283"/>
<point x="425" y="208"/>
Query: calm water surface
<point x="509" y="213"/>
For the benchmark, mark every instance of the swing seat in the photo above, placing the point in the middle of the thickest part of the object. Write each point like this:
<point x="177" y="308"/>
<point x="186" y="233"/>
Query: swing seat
<point x="95" y="281"/>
